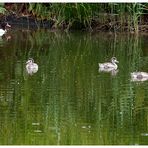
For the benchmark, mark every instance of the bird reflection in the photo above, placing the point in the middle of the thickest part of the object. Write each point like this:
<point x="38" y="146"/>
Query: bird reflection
<point x="113" y="72"/>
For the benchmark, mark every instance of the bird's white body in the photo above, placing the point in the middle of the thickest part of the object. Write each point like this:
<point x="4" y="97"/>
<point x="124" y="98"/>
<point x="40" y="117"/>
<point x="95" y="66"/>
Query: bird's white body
<point x="2" y="32"/>
<point x="4" y="28"/>
<point x="109" y="65"/>
<point x="109" y="70"/>
<point x="31" y="67"/>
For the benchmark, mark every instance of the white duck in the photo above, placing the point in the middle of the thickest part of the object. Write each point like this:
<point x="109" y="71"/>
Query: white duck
<point x="31" y="67"/>
<point x="139" y="76"/>
<point x="109" y="65"/>
<point x="4" y="27"/>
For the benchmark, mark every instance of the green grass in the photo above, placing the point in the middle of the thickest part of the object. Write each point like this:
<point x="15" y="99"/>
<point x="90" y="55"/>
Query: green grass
<point x="85" y="15"/>
<point x="107" y="16"/>
<point x="2" y="9"/>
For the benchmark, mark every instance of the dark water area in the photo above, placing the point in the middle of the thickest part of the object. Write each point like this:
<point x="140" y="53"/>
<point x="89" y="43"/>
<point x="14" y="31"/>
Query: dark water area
<point x="68" y="101"/>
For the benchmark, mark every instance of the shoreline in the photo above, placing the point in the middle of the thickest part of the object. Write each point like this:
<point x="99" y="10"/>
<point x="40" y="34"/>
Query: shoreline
<point x="33" y="23"/>
<point x="25" y="15"/>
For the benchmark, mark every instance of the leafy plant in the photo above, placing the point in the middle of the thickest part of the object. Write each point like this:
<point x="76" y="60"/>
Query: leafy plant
<point x="2" y="9"/>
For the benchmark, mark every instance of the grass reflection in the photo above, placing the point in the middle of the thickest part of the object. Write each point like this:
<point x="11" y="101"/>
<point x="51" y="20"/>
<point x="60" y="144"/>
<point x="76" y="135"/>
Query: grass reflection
<point x="68" y="101"/>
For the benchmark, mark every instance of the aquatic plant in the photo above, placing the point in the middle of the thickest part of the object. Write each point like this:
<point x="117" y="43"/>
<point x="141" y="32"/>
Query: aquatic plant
<point x="98" y="16"/>
<point x="114" y="16"/>
<point x="2" y="9"/>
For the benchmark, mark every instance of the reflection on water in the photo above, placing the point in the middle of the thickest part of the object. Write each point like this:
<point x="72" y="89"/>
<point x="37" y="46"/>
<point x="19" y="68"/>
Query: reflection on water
<point x="109" y="70"/>
<point x="68" y="101"/>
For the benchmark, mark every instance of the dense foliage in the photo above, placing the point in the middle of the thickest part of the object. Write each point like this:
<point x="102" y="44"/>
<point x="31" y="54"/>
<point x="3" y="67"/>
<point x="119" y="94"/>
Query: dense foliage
<point x="101" y="16"/>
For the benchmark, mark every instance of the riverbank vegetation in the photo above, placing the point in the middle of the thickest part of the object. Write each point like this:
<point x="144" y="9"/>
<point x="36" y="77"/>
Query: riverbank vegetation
<point x="130" y="17"/>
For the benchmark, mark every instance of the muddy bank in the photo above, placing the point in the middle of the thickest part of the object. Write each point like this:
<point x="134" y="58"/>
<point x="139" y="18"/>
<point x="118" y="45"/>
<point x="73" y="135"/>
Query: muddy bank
<point x="30" y="22"/>
<point x="26" y="22"/>
<point x="18" y="15"/>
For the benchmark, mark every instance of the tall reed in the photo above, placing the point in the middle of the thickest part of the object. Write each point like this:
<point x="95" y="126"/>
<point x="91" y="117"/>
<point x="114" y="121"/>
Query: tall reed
<point x="102" y="16"/>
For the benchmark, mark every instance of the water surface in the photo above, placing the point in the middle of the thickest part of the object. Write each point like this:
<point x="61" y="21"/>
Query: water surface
<point x="68" y="101"/>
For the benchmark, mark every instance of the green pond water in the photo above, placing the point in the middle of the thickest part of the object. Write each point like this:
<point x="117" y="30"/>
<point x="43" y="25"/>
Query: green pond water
<point x="69" y="101"/>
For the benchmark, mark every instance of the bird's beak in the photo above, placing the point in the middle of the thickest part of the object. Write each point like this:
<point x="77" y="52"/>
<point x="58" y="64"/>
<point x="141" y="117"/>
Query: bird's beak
<point x="8" y="25"/>
<point x="117" y="61"/>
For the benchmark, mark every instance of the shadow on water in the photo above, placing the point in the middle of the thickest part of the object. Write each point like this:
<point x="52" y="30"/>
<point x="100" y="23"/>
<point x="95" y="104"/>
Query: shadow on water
<point x="68" y="101"/>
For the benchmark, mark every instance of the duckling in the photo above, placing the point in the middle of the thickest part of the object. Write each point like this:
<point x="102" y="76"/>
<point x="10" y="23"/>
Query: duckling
<point x="31" y="67"/>
<point x="4" y="27"/>
<point x="139" y="76"/>
<point x="109" y="65"/>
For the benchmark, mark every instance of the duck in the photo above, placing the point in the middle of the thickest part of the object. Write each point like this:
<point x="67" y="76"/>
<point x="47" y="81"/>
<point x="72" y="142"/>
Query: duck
<point x="31" y="67"/>
<point x="139" y="76"/>
<point x="4" y="28"/>
<point x="109" y="65"/>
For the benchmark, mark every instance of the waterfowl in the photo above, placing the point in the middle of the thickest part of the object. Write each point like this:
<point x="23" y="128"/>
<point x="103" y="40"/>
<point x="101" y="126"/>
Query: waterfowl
<point x="31" y="67"/>
<point x="109" y="65"/>
<point x="139" y="76"/>
<point x="113" y="72"/>
<point x="4" y="27"/>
